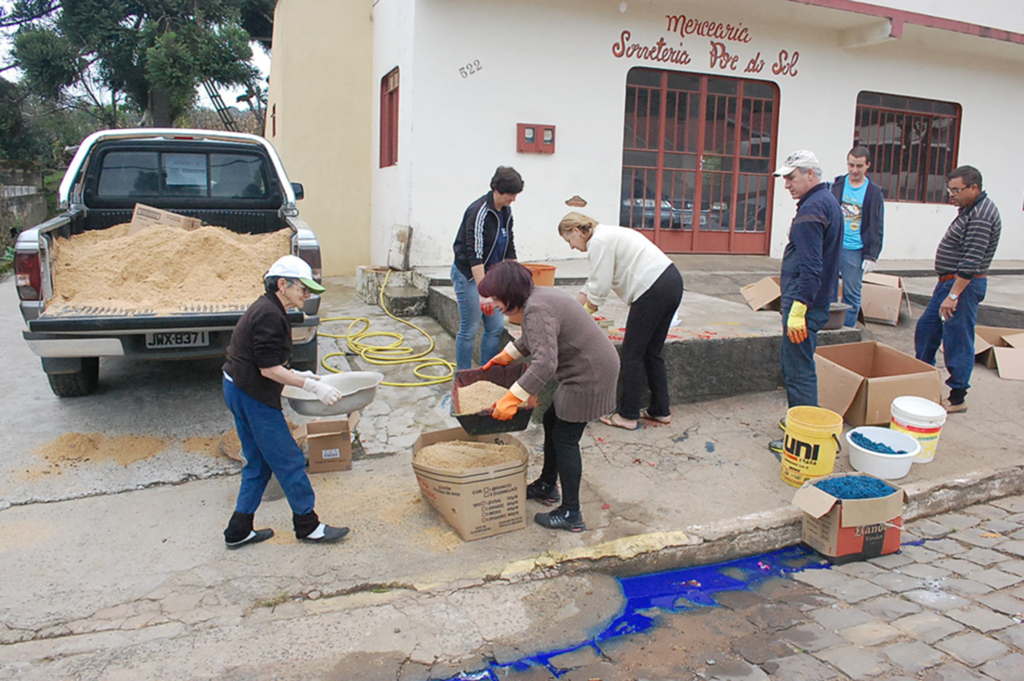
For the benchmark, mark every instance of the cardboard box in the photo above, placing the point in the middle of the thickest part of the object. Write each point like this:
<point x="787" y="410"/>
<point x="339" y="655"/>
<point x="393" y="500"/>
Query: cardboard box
<point x="860" y="380"/>
<point x="146" y="216"/>
<point x="764" y="295"/>
<point x="478" y="502"/>
<point x="987" y="338"/>
<point x="881" y="296"/>
<point x="329" y="443"/>
<point x="845" y="530"/>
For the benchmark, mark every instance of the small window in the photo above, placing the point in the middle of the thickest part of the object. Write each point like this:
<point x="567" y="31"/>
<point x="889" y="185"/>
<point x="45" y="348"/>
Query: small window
<point x="130" y="173"/>
<point x="185" y="174"/>
<point x="913" y="144"/>
<point x="389" y="119"/>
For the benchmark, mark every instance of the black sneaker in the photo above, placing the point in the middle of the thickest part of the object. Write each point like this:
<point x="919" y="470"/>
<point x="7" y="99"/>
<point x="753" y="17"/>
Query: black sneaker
<point x="776" y="446"/>
<point x="331" y="534"/>
<point x="561" y="519"/>
<point x="545" y="492"/>
<point x="255" y="537"/>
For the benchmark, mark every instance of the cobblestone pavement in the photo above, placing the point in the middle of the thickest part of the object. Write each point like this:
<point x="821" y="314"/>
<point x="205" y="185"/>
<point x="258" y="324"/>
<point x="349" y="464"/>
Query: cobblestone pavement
<point x="947" y="607"/>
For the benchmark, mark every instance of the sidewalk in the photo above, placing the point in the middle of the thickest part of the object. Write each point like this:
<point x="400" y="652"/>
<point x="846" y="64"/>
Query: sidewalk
<point x="136" y="573"/>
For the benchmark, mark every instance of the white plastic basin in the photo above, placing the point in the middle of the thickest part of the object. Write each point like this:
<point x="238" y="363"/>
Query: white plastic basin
<point x="885" y="466"/>
<point x="358" y="389"/>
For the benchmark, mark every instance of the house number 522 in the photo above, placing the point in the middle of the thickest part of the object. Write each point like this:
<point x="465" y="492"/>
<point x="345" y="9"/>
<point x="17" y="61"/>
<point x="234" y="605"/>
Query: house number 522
<point x="470" y="69"/>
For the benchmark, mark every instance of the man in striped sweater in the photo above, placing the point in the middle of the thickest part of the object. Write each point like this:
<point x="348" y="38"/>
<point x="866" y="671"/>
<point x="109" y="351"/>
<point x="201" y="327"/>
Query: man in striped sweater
<point x="961" y="261"/>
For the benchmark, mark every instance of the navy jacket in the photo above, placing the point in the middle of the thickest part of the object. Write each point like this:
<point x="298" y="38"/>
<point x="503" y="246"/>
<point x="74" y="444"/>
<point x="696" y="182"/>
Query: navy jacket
<point x="810" y="264"/>
<point x="477" y="233"/>
<point x="872" y="216"/>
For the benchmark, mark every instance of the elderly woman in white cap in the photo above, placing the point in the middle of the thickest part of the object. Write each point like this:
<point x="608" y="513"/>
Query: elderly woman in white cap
<point x="255" y="373"/>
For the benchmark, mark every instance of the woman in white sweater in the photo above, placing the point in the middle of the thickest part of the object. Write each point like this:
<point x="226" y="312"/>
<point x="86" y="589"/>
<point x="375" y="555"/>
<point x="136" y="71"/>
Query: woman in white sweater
<point x="626" y="262"/>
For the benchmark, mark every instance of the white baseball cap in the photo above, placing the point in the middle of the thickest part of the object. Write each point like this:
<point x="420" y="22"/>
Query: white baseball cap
<point x="294" y="267"/>
<point x="798" y="159"/>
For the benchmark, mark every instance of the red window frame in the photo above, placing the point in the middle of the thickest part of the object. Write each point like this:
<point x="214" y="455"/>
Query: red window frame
<point x="914" y="144"/>
<point x="389" y="119"/>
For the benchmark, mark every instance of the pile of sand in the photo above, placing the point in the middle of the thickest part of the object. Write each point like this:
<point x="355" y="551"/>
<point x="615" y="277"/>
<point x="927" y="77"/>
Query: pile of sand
<point x="478" y="396"/>
<point x="163" y="269"/>
<point x="460" y="455"/>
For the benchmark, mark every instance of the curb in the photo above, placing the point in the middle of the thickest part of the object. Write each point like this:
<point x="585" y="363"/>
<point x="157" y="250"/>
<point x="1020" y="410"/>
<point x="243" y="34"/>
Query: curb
<point x="752" y="534"/>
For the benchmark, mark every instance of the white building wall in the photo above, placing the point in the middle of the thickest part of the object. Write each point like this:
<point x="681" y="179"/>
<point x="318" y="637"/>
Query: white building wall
<point x="551" y="62"/>
<point x="394" y="40"/>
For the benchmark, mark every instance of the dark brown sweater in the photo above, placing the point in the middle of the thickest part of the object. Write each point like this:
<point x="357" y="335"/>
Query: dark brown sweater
<point x="565" y="343"/>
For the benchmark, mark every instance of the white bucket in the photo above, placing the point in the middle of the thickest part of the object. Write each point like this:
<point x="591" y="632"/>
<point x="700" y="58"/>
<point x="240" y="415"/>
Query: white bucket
<point x="922" y="420"/>
<point x="885" y="466"/>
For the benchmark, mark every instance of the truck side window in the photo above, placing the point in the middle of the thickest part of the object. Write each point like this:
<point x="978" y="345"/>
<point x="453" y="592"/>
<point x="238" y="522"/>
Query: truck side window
<point x="237" y="176"/>
<point x="129" y="173"/>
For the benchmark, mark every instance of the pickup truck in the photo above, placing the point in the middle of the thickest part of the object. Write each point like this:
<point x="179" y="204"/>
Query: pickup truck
<point x="234" y="180"/>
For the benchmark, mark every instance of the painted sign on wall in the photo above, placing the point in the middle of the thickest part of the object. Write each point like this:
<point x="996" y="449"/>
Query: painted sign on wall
<point x="723" y="55"/>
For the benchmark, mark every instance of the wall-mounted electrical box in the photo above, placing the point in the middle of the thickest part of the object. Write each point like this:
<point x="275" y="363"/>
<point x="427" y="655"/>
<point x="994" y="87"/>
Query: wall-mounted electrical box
<point x="535" y="139"/>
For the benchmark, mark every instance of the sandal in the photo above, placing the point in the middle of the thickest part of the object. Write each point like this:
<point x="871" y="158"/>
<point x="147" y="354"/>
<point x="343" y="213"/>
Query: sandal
<point x="644" y="414"/>
<point x="617" y="421"/>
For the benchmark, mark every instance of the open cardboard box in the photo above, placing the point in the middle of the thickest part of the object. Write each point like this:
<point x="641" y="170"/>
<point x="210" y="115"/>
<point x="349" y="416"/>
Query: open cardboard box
<point x="476" y="502"/>
<point x="845" y="530"/>
<point x="765" y="294"/>
<point x="328" y="443"/>
<point x="860" y="380"/>
<point x="1000" y="348"/>
<point x="881" y="296"/>
<point x="146" y="216"/>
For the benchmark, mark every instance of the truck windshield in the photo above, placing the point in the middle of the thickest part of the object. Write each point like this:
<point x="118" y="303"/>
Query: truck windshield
<point x="139" y="174"/>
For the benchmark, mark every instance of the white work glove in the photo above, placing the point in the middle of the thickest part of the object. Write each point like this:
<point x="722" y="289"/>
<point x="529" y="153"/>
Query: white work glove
<point x="867" y="266"/>
<point x="306" y="374"/>
<point x="327" y="394"/>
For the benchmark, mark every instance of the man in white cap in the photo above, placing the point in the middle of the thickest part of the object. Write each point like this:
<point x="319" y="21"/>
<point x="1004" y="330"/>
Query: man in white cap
<point x="255" y="373"/>
<point x="810" y="276"/>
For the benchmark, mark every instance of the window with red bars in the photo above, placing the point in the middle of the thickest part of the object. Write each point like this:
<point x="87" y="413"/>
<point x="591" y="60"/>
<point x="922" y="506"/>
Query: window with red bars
<point x="389" y="119"/>
<point x="913" y="144"/>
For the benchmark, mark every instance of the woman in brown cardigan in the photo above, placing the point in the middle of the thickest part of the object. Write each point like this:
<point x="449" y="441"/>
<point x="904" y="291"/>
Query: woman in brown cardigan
<point x="564" y="343"/>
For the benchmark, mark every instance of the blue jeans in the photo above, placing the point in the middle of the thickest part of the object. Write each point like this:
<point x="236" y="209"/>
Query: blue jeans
<point x="268" y="446"/>
<point x="956" y="334"/>
<point x="799" y="374"/>
<point x="469" y="323"/>
<point x="852" y="274"/>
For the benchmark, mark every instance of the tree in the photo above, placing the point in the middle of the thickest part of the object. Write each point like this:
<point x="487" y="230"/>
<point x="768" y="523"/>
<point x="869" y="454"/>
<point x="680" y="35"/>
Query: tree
<point x="151" y="53"/>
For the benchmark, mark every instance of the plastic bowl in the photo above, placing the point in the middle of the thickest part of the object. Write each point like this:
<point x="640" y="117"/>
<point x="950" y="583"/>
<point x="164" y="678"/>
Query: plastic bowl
<point x="358" y="389"/>
<point x="885" y="466"/>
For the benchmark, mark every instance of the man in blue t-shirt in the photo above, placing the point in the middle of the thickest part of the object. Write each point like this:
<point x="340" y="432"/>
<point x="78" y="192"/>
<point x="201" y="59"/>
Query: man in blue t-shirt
<point x="863" y="219"/>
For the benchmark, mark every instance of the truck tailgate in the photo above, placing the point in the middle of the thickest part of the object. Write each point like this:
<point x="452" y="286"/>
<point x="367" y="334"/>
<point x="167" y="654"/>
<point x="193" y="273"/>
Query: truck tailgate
<point x="110" y="319"/>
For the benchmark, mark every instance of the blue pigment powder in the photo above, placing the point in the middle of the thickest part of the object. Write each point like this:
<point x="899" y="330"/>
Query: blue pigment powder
<point x="855" y="487"/>
<point x="862" y="440"/>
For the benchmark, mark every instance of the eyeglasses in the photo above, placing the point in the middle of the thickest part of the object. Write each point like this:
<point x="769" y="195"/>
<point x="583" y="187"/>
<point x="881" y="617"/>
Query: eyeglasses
<point x="953" y="191"/>
<point x="305" y="289"/>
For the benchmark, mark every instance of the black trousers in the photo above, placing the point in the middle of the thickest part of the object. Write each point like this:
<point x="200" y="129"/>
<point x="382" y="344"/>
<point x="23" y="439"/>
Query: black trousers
<point x="642" y="363"/>
<point x="562" y="460"/>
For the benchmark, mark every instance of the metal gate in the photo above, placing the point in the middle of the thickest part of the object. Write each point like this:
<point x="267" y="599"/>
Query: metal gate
<point x="697" y="160"/>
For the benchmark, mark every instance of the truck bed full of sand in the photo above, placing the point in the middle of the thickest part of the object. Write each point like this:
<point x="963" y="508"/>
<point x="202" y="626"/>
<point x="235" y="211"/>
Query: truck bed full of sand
<point x="161" y="269"/>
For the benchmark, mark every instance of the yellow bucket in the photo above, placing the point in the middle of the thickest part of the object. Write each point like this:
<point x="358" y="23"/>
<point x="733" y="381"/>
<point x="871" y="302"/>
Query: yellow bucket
<point x="811" y="444"/>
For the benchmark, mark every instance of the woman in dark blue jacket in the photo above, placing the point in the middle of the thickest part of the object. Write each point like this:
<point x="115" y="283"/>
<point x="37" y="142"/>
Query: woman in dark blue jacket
<point x="485" y="238"/>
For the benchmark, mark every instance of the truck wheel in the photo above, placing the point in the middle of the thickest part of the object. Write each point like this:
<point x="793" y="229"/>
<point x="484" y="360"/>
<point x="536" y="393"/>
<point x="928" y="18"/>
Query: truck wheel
<point x="78" y="383"/>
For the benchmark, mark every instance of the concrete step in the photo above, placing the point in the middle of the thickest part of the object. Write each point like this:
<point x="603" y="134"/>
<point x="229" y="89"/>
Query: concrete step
<point x="405" y="301"/>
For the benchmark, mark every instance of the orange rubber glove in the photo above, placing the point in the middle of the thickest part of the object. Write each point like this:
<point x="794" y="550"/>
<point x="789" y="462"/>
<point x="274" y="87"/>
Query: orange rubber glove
<point x="500" y="359"/>
<point x="506" y="407"/>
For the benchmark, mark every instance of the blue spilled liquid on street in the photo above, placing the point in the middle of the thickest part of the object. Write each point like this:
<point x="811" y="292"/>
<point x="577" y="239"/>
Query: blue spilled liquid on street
<point x="674" y="591"/>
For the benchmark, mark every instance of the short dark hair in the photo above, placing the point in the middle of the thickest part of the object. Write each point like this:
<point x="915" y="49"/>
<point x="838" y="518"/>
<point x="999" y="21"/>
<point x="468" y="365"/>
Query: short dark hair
<point x="969" y="174"/>
<point x="270" y="283"/>
<point x="860" y="151"/>
<point x="508" y="281"/>
<point x="507" y="180"/>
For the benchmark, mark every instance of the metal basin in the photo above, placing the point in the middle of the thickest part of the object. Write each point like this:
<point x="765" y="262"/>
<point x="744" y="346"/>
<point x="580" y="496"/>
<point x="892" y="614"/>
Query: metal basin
<point x="358" y="389"/>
